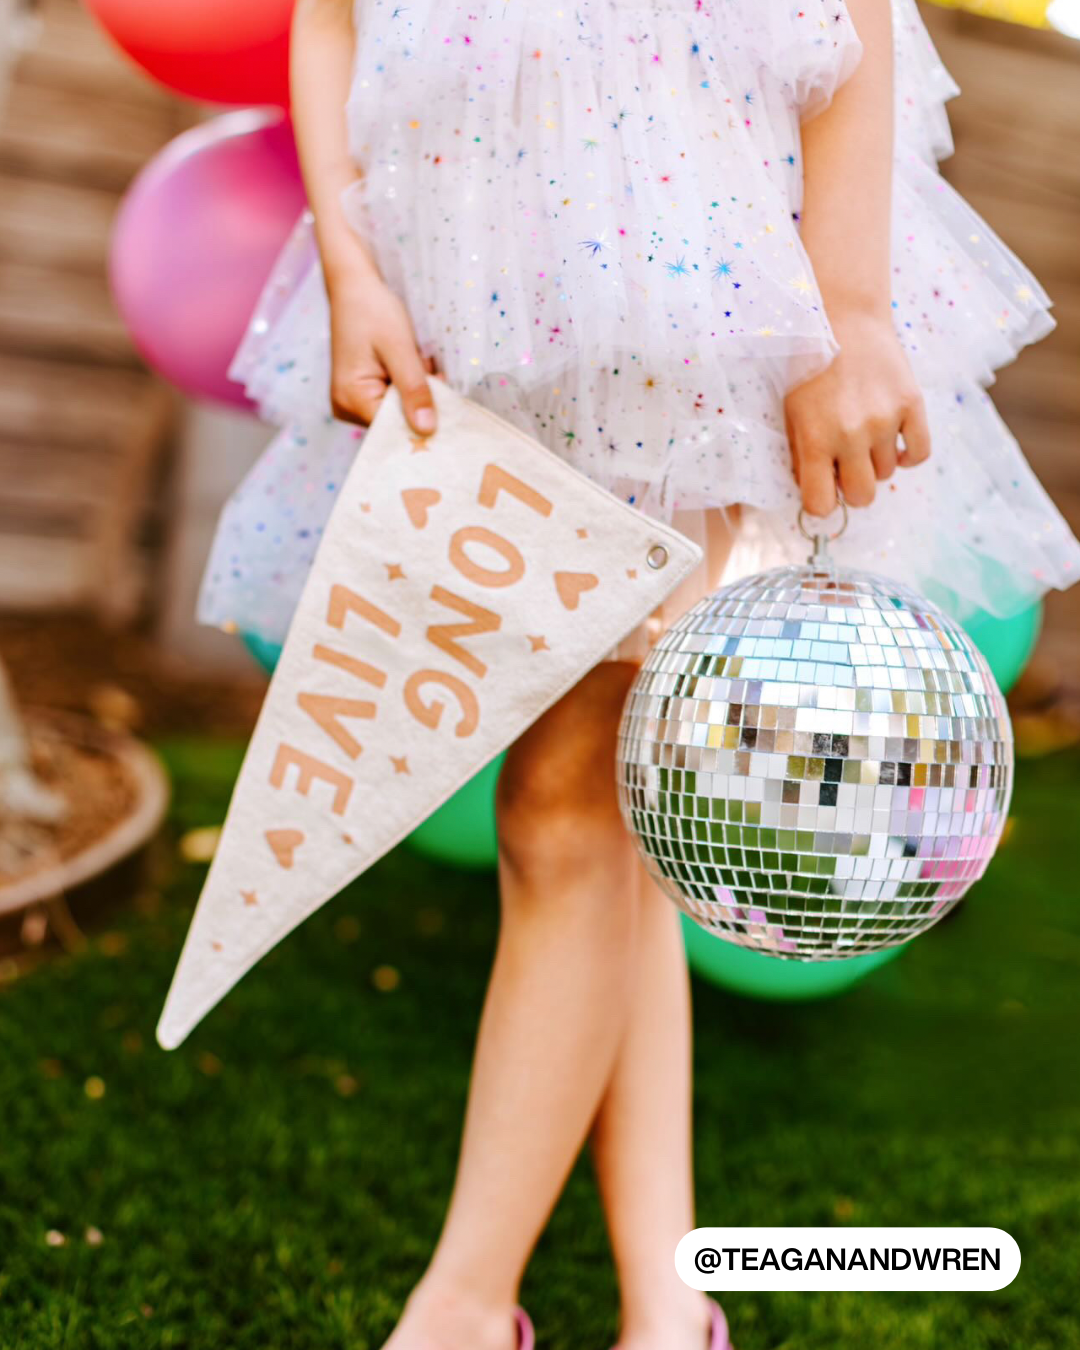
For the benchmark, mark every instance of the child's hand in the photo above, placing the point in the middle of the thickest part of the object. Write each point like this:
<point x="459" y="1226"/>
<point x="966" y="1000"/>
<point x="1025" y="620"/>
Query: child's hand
<point x="843" y="424"/>
<point x="372" y="347"/>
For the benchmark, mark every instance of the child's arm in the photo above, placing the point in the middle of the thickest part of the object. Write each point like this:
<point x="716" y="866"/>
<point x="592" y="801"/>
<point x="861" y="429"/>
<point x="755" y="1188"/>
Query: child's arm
<point x="372" y="337"/>
<point x="843" y="425"/>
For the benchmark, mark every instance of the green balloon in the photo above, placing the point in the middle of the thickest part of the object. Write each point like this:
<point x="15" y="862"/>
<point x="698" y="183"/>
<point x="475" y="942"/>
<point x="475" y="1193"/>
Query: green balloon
<point x="757" y="976"/>
<point x="1007" y="644"/>
<point x="462" y="830"/>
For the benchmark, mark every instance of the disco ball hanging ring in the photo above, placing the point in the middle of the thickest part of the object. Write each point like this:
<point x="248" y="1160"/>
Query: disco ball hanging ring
<point x="815" y="762"/>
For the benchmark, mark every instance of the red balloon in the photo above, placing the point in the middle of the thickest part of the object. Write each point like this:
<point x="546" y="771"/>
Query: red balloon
<point x="216" y="51"/>
<point x="196" y="240"/>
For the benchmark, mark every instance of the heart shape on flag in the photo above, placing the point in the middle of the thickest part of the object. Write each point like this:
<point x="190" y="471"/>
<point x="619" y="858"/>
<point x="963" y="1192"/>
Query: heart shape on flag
<point x="283" y="845"/>
<point x="572" y="585"/>
<point x="418" y="502"/>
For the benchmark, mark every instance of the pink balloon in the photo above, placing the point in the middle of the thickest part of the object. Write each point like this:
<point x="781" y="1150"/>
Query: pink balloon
<point x="195" y="241"/>
<point x="231" y="52"/>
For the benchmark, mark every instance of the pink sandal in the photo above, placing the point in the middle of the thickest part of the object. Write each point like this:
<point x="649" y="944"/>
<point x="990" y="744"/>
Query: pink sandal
<point x="718" y="1336"/>
<point x="526" y="1334"/>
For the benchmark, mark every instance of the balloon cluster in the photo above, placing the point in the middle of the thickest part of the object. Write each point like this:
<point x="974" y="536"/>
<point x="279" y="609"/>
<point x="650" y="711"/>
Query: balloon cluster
<point x="201" y="226"/>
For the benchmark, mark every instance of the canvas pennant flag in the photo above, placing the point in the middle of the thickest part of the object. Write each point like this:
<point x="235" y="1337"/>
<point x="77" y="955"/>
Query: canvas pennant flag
<point x="464" y="583"/>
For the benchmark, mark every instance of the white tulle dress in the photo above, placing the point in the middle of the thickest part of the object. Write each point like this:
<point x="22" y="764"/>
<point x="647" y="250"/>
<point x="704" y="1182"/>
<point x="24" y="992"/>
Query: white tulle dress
<point x="591" y="210"/>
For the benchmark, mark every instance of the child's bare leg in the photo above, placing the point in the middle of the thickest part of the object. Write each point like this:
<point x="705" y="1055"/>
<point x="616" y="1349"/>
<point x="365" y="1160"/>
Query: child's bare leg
<point x="642" y="1139"/>
<point x="554" y="1016"/>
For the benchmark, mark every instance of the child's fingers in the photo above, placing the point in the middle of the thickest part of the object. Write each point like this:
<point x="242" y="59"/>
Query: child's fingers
<point x="357" y="399"/>
<point x="915" y="430"/>
<point x="857" y="480"/>
<point x="817" y="482"/>
<point x="884" y="456"/>
<point x="405" y="366"/>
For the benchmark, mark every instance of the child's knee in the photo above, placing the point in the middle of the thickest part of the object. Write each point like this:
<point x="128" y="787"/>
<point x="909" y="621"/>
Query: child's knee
<point x="557" y="805"/>
<point x="554" y="815"/>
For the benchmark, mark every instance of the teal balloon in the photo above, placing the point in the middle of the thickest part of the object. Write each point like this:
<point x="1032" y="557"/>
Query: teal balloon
<point x="1007" y="644"/>
<point x="462" y="831"/>
<point x="267" y="654"/>
<point x="756" y="976"/>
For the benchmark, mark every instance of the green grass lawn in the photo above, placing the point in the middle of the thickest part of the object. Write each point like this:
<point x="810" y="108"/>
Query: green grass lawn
<point x="276" y="1184"/>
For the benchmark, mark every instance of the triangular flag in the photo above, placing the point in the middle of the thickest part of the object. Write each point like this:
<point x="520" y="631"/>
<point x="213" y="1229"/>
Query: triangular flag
<point x="464" y="583"/>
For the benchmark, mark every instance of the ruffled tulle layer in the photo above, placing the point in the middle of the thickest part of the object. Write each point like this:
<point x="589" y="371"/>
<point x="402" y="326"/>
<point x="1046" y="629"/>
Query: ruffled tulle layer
<point x="591" y="212"/>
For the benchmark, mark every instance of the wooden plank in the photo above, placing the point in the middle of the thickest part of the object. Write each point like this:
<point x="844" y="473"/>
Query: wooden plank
<point x="44" y="573"/>
<point x="27" y="517"/>
<point x="62" y="316"/>
<point x="1029" y="157"/>
<point x="961" y="27"/>
<point x="77" y="137"/>
<point x="72" y="51"/>
<point x="1050" y="445"/>
<point x="993" y="83"/>
<point x="1065" y="298"/>
<point x="1042" y="382"/>
<point x="55" y="225"/>
<point x="67" y="405"/>
<point x="13" y="24"/>
<point x="118" y="590"/>
<point x="34" y="483"/>
<point x="53" y="466"/>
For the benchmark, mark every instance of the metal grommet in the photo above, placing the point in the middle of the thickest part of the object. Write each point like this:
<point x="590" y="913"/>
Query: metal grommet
<point x="819" y="533"/>
<point x="657" y="557"/>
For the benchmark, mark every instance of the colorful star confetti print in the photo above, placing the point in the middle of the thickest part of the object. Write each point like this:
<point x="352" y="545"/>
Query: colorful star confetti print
<point x="592" y="214"/>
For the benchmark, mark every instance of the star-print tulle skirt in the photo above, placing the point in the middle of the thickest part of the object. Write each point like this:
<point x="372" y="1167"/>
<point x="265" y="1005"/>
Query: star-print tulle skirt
<point x="591" y="211"/>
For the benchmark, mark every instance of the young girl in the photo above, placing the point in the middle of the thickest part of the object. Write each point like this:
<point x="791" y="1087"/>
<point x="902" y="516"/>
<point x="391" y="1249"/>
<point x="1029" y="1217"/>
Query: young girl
<point x="692" y="245"/>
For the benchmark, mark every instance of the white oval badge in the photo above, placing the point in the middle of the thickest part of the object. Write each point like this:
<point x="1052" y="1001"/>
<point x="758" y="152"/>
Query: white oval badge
<point x="848" y="1258"/>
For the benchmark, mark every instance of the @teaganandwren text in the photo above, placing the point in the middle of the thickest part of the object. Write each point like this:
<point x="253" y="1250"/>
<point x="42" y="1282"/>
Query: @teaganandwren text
<point x="848" y="1258"/>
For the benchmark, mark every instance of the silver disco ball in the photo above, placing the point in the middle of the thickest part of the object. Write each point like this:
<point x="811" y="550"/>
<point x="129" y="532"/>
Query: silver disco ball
<point x="816" y="762"/>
